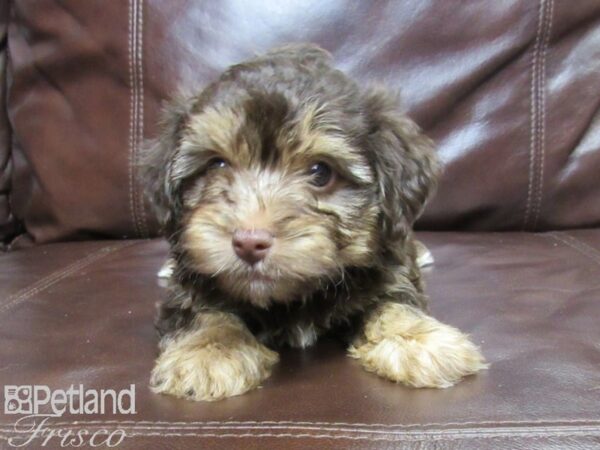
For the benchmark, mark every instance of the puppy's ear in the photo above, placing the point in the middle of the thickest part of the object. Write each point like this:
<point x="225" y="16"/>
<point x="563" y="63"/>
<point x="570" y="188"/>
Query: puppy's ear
<point x="405" y="164"/>
<point x="158" y="158"/>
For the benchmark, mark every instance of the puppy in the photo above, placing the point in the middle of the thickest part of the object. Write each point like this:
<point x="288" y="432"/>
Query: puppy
<point x="288" y="193"/>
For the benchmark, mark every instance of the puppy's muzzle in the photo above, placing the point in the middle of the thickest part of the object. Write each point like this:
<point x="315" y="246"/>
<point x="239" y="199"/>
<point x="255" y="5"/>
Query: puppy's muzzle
<point x="252" y="246"/>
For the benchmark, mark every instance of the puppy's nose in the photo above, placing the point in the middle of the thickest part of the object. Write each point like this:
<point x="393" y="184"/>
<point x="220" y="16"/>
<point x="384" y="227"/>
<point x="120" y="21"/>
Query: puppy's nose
<point x="252" y="245"/>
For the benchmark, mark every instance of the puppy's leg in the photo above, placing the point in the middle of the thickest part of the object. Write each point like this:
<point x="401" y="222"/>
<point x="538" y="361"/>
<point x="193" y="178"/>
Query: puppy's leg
<point x="217" y="357"/>
<point x="403" y="344"/>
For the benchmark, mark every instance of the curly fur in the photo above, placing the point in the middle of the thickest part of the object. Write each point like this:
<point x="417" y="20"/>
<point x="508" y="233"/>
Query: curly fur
<point x="339" y="254"/>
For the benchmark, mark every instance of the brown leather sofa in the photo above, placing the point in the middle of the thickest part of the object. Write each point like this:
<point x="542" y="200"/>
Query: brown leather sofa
<point x="509" y="90"/>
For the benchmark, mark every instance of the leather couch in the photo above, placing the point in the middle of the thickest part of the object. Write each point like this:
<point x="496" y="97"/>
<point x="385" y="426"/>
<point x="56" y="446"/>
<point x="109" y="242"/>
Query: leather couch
<point x="509" y="90"/>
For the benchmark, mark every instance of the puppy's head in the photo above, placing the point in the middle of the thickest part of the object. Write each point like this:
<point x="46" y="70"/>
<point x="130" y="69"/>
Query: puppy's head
<point x="282" y="174"/>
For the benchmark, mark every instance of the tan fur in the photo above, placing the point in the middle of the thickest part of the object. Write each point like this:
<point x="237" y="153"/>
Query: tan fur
<point x="216" y="358"/>
<point x="302" y="248"/>
<point x="277" y="199"/>
<point x="321" y="140"/>
<point x="405" y="345"/>
<point x="215" y="129"/>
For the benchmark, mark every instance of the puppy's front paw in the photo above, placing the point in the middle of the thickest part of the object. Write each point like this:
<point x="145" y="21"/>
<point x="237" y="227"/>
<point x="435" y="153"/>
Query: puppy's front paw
<point x="405" y="345"/>
<point x="211" y="371"/>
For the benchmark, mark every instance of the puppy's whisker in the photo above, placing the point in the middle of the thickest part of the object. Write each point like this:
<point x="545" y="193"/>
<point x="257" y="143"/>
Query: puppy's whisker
<point x="220" y="269"/>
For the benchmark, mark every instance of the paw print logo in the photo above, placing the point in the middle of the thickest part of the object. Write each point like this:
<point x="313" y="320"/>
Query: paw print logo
<point x="18" y="399"/>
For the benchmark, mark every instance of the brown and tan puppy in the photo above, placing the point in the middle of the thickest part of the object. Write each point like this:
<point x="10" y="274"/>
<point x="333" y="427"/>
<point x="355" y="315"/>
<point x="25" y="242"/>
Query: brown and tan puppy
<point x="288" y="195"/>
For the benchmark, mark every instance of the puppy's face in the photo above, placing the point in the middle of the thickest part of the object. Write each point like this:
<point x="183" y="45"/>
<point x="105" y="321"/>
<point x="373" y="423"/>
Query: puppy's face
<point x="281" y="201"/>
<point x="273" y="190"/>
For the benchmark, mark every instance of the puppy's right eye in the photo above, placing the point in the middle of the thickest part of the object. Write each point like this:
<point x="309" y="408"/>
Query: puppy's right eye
<point x="216" y="163"/>
<point x="322" y="175"/>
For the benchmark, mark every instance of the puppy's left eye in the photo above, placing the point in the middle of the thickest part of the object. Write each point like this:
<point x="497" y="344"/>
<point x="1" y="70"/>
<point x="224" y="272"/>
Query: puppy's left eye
<point x="216" y="163"/>
<point x="322" y="174"/>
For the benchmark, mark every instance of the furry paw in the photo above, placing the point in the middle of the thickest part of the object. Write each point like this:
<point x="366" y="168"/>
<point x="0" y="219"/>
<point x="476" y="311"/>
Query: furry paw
<point x="166" y="271"/>
<point x="424" y="256"/>
<point x="211" y="371"/>
<point x="404" y="345"/>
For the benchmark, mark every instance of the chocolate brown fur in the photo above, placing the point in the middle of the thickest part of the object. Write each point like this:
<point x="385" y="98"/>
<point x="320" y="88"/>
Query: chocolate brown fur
<point x="339" y="254"/>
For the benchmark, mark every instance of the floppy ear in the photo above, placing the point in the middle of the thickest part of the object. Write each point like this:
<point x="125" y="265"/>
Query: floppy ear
<point x="157" y="161"/>
<point x="405" y="165"/>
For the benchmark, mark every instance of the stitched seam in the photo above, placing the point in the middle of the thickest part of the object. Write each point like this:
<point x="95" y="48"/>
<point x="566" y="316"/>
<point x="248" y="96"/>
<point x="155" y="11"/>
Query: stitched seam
<point x="415" y="438"/>
<point x="132" y="114"/>
<point x="536" y="438"/>
<point x="536" y="86"/>
<point x="55" y="277"/>
<point x="533" y="115"/>
<point x="267" y="423"/>
<point x="136" y="105"/>
<point x="225" y="436"/>
<point x="421" y="431"/>
<point x="140" y="212"/>
<point x="419" y="434"/>
<point x="583" y="245"/>
<point x="338" y="436"/>
<point x="579" y="246"/>
<point x="542" y="110"/>
<point x="136" y="125"/>
<point x="539" y="109"/>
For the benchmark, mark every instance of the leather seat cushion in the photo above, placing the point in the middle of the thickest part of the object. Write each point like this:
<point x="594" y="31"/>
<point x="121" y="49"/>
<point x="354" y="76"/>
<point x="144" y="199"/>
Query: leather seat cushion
<point x="82" y="313"/>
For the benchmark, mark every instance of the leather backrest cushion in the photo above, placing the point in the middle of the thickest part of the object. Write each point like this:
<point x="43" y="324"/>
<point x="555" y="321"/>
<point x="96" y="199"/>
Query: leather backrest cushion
<point x="509" y="90"/>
